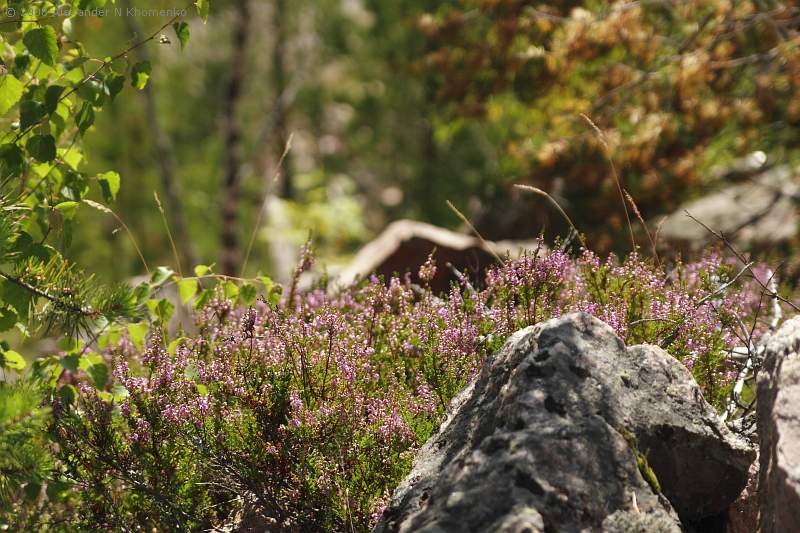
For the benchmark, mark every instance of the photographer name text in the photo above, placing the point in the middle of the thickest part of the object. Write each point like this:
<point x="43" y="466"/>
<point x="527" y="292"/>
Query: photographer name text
<point x="67" y="11"/>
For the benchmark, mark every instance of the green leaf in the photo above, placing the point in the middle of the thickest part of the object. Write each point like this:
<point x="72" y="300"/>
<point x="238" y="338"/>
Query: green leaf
<point x="191" y="373"/>
<point x="203" y="298"/>
<point x="114" y="84"/>
<point x="202" y="9"/>
<point x="69" y="362"/>
<point x="99" y="374"/>
<point x="10" y="160"/>
<point x="68" y="209"/>
<point x="137" y="333"/>
<point x="52" y="97"/>
<point x="109" y="183"/>
<point x="119" y="392"/>
<point x="30" y="112"/>
<point x="140" y="73"/>
<point x="33" y="488"/>
<point x="201" y="270"/>
<point x="162" y="308"/>
<point x="182" y="31"/>
<point x="42" y="148"/>
<point x="174" y="345"/>
<point x="248" y="294"/>
<point x="68" y="394"/>
<point x="187" y="288"/>
<point x="105" y="396"/>
<point x="109" y="339"/>
<point x="11" y="359"/>
<point x="71" y="157"/>
<point x="161" y="275"/>
<point x="85" y="117"/>
<point x="8" y="317"/>
<point x="231" y="290"/>
<point x="18" y="298"/>
<point x="165" y="309"/>
<point x="21" y="64"/>
<point x="141" y="293"/>
<point x="41" y="43"/>
<point x="92" y="91"/>
<point x="268" y="283"/>
<point x="10" y="92"/>
<point x="57" y="487"/>
<point x="93" y="365"/>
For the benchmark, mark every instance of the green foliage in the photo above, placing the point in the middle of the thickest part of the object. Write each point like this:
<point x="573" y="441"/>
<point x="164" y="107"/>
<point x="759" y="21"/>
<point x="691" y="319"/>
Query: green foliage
<point x="182" y="31"/>
<point x="140" y="73"/>
<point x="10" y="92"/>
<point x="41" y="43"/>
<point x="25" y="462"/>
<point x="51" y="91"/>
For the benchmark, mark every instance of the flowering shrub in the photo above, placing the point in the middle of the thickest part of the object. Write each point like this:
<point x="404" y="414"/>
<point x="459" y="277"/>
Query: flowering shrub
<point x="308" y="407"/>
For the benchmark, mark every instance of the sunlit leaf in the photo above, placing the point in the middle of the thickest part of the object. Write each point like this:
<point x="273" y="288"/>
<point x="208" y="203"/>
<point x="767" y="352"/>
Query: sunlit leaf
<point x="187" y="288"/>
<point x="140" y="73"/>
<point x="41" y="43"/>
<point x="11" y="359"/>
<point x="182" y="31"/>
<point x="10" y="92"/>
<point x="109" y="183"/>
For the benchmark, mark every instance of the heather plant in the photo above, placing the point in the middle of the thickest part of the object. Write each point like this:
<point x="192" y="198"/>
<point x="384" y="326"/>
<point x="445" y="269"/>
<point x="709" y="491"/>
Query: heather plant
<point x="306" y="407"/>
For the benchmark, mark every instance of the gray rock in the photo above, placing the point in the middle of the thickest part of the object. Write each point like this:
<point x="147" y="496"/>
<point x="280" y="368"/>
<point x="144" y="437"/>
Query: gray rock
<point x="545" y="439"/>
<point x="778" y="412"/>
<point x="760" y="211"/>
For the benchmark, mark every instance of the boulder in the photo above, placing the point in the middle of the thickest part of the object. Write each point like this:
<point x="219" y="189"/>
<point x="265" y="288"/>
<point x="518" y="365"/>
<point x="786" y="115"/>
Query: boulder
<point x="565" y="429"/>
<point x="405" y="245"/>
<point x="757" y="212"/>
<point x="778" y="419"/>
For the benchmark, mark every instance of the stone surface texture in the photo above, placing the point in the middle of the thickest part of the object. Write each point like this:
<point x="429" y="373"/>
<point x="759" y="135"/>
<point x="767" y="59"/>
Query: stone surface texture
<point x="778" y="416"/>
<point x="546" y="438"/>
<point x="759" y="211"/>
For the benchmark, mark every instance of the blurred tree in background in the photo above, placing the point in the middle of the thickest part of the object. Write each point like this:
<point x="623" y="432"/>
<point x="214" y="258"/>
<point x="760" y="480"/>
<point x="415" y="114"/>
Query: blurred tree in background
<point x="394" y="107"/>
<point x="677" y="88"/>
<point x="343" y="79"/>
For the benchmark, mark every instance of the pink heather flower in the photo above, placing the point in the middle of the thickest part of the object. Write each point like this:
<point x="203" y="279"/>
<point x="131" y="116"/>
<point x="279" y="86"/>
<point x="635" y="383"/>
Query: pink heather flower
<point x="373" y="361"/>
<point x="428" y="270"/>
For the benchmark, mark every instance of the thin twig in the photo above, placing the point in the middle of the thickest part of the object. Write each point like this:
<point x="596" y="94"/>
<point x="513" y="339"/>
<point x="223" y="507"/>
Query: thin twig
<point x="105" y="209"/>
<point x="740" y="257"/>
<point x="564" y="214"/>
<point x="169" y="233"/>
<point x="83" y="311"/>
<point x="602" y="138"/>
<point x="644" y="225"/>
<point x="475" y="231"/>
<point x="257" y="224"/>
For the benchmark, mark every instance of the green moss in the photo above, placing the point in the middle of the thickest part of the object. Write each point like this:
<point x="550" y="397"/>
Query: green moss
<point x="641" y="460"/>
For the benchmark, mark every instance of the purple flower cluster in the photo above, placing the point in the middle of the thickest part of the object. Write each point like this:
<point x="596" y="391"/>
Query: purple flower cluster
<point x="335" y="391"/>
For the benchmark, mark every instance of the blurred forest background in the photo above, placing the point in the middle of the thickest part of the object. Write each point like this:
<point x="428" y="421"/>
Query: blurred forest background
<point x="395" y="107"/>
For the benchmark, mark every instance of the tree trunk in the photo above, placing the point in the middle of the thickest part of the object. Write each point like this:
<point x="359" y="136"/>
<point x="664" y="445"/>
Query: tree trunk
<point x="232" y="138"/>
<point x="166" y="159"/>
<point x="279" y="82"/>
